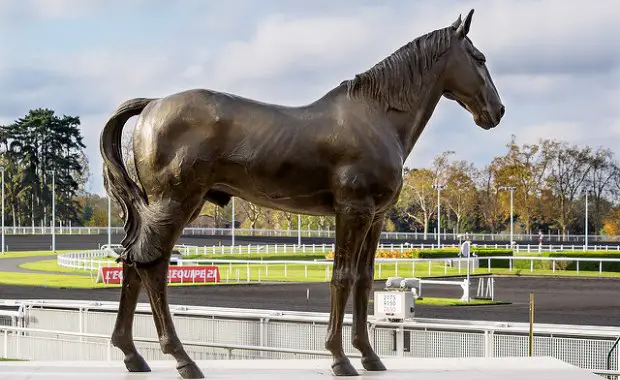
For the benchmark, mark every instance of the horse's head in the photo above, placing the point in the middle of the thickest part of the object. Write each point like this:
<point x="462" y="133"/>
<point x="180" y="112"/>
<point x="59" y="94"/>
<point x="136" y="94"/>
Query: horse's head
<point x="467" y="80"/>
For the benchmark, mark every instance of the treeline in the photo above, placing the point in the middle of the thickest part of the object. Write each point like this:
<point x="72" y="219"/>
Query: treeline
<point x="550" y="180"/>
<point x="37" y="151"/>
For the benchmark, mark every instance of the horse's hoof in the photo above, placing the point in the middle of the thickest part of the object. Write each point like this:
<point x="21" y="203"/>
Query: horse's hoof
<point x="190" y="371"/>
<point x="136" y="363"/>
<point x="343" y="367"/>
<point x="373" y="364"/>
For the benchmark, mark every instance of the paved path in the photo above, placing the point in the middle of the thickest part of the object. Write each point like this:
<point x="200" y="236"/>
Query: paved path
<point x="557" y="300"/>
<point x="13" y="265"/>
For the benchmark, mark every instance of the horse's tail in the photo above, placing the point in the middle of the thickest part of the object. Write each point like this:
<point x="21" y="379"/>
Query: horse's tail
<point x="132" y="199"/>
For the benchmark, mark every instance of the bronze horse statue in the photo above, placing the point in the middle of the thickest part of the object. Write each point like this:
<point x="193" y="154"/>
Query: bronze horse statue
<point x="341" y="155"/>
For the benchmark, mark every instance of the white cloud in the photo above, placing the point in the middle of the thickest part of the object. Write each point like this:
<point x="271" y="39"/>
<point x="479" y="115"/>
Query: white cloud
<point x="293" y="58"/>
<point x="280" y="44"/>
<point x="62" y="9"/>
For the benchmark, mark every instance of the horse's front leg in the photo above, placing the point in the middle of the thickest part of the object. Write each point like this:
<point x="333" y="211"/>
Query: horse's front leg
<point x="361" y="293"/>
<point x="353" y="219"/>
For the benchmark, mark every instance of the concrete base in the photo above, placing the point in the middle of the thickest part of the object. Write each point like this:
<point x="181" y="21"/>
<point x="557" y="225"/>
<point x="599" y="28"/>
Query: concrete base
<point x="413" y="368"/>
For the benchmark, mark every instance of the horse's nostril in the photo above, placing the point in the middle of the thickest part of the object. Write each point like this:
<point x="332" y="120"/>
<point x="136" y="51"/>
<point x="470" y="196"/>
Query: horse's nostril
<point x="502" y="110"/>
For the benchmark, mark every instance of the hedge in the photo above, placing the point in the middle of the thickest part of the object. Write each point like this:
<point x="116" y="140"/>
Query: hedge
<point x="451" y="253"/>
<point x="584" y="266"/>
<point x="444" y="253"/>
<point x="480" y="252"/>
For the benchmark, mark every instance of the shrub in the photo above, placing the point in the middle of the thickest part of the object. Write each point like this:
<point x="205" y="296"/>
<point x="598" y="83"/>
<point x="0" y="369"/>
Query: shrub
<point x="584" y="266"/>
<point x="486" y="252"/>
<point x="443" y="253"/>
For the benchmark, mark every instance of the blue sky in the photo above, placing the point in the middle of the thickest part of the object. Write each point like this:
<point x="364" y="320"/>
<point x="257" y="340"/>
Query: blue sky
<point x="556" y="63"/>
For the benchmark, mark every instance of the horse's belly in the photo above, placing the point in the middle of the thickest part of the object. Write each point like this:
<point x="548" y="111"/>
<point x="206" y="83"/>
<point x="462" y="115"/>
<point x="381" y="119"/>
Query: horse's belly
<point x="296" y="189"/>
<point x="310" y="204"/>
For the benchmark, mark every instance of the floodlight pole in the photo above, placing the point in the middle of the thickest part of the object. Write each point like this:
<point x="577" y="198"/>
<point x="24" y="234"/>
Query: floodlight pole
<point x="299" y="230"/>
<point x="109" y="221"/>
<point x="2" y="169"/>
<point x="511" y="189"/>
<point x="233" y="223"/>
<point x="439" y="188"/>
<point x="585" y="248"/>
<point x="54" y="211"/>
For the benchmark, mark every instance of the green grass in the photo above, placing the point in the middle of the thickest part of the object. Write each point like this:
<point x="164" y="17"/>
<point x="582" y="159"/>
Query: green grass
<point x="52" y="266"/>
<point x="50" y="280"/>
<point x="269" y="272"/>
<point x="13" y="255"/>
<point x="558" y="273"/>
<point x="61" y="281"/>
<point x="231" y="273"/>
<point x="297" y="273"/>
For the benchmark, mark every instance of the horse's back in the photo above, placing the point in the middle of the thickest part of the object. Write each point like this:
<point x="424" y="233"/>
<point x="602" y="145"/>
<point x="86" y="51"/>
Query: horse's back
<point x="238" y="140"/>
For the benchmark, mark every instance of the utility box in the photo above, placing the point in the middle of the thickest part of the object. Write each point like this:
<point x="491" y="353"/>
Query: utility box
<point x="394" y="305"/>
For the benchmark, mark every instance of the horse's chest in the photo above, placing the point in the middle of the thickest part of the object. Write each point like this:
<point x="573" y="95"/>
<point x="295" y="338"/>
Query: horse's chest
<point x="385" y="193"/>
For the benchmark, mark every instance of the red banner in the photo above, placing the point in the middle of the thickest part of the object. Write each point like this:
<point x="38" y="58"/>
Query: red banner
<point x="177" y="274"/>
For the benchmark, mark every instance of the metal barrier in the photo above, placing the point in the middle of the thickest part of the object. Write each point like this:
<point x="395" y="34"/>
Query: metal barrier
<point x="80" y="330"/>
<point x="13" y="345"/>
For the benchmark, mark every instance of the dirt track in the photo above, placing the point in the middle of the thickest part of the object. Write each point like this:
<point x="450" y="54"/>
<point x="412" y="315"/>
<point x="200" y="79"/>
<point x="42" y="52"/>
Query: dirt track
<point x="564" y="301"/>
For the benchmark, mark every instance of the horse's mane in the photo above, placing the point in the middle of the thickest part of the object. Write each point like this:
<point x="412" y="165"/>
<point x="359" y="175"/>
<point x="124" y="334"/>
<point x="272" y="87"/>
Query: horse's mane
<point x="397" y="79"/>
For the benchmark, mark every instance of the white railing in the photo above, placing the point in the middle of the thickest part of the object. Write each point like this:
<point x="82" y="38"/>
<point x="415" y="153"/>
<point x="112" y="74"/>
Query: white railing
<point x="80" y="330"/>
<point x="307" y="233"/>
<point x="264" y="269"/>
<point x="399" y="267"/>
<point x="92" y="260"/>
<point x="68" y="339"/>
<point x="324" y="248"/>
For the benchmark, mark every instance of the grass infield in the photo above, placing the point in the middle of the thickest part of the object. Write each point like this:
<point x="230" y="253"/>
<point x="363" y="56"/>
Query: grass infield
<point x="49" y="274"/>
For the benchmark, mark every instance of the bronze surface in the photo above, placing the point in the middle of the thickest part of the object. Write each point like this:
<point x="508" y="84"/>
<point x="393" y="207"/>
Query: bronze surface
<point x="341" y="155"/>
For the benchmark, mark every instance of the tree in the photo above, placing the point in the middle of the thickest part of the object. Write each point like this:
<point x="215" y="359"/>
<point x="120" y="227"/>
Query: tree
<point x="489" y="207"/>
<point x="251" y="211"/>
<point x="38" y="144"/>
<point x="215" y="212"/>
<point x="568" y="168"/>
<point x="417" y="200"/>
<point x="523" y="167"/>
<point x="460" y="192"/>
<point x="611" y="222"/>
<point x="599" y="183"/>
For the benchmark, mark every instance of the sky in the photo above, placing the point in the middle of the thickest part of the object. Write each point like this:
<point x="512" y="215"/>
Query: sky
<point x="556" y="64"/>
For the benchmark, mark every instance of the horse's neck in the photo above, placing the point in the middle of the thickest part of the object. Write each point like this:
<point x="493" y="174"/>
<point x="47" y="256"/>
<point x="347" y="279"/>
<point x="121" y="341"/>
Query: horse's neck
<point x="409" y="125"/>
<point x="420" y="118"/>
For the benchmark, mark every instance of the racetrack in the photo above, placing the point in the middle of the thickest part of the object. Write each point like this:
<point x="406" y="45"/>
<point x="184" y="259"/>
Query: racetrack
<point x="557" y="300"/>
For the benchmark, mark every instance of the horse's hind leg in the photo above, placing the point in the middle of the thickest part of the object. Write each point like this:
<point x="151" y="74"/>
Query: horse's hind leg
<point x="361" y="292"/>
<point x="163" y="227"/>
<point x="155" y="281"/>
<point x="122" y="334"/>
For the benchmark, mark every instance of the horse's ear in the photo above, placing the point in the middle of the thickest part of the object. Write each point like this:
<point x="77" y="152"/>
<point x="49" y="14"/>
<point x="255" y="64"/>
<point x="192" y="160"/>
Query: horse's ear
<point x="457" y="23"/>
<point x="463" y="29"/>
